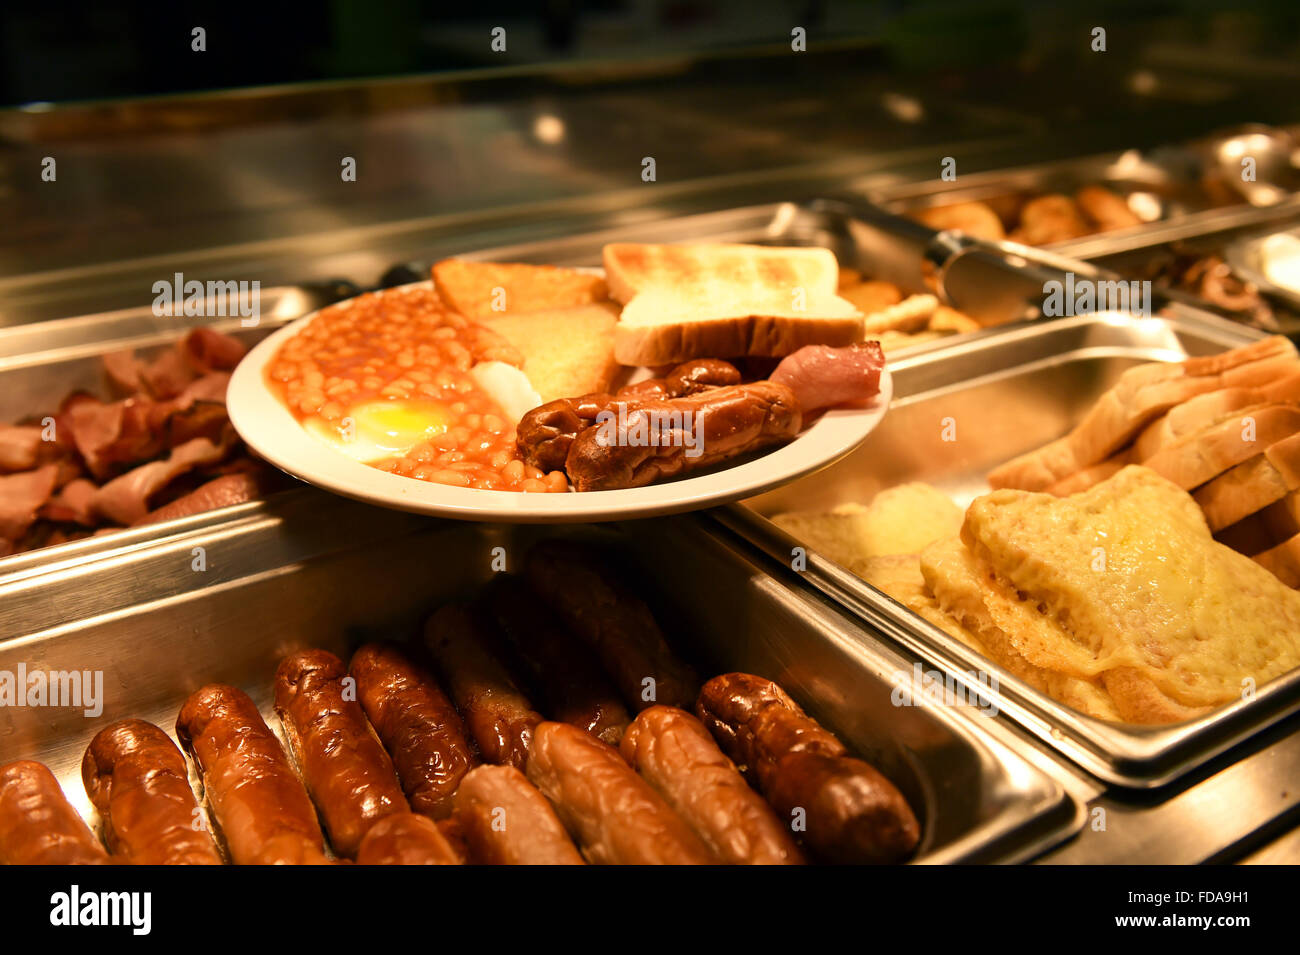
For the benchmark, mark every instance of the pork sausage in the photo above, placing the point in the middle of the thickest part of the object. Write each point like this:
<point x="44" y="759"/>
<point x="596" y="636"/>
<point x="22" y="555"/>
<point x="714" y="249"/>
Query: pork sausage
<point x="643" y="442"/>
<point x="613" y="814"/>
<point x="406" y="838"/>
<point x="350" y="777"/>
<point x="137" y="779"/>
<point x="613" y="621"/>
<point x="853" y="814"/>
<point x="498" y="715"/>
<point x="259" y="804"/>
<point x="504" y="820"/>
<point x="560" y="666"/>
<point x="675" y="754"/>
<point x="417" y="724"/>
<point x="38" y="826"/>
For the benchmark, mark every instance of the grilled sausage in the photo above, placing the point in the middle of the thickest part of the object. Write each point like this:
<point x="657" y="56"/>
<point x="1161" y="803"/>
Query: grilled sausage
<point x="504" y="820"/>
<point x="854" y="814"/>
<point x="137" y="779"/>
<point x="38" y="826"/>
<point x="417" y="724"/>
<point x="350" y="777"/>
<point x="258" y="802"/>
<point x="564" y="670"/>
<point x="406" y="838"/>
<point x="612" y="812"/>
<point x="497" y="713"/>
<point x="546" y="433"/>
<point x="644" y="442"/>
<point x="675" y="754"/>
<point x="614" y="622"/>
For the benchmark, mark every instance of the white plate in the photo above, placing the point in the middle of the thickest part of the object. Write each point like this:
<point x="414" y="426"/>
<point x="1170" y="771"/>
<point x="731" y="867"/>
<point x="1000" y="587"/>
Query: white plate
<point x="271" y="430"/>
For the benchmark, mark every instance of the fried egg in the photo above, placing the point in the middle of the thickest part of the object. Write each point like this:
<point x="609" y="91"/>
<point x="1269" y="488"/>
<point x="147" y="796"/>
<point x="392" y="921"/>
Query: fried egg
<point x="382" y="429"/>
<point x="379" y="429"/>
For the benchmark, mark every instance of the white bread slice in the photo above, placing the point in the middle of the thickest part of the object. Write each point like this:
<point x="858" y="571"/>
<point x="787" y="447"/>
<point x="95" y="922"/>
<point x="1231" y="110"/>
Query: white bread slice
<point x="483" y="289"/>
<point x="1093" y="474"/>
<point x="567" y="351"/>
<point x="1141" y="395"/>
<point x="722" y="301"/>
<point x="1201" y="457"/>
<point x="1252" y="485"/>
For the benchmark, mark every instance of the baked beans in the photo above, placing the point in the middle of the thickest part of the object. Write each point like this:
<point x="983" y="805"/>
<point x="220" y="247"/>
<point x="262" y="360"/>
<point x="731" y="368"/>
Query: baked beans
<point x="404" y="345"/>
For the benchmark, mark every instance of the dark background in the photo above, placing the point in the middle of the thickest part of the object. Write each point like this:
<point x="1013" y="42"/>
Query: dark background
<point x="55" y="52"/>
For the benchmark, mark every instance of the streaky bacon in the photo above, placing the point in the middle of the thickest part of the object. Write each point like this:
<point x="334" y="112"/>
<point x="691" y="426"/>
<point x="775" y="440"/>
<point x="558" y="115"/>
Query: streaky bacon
<point x="125" y="499"/>
<point x="21" y="496"/>
<point x="20" y="447"/>
<point x="825" y="377"/>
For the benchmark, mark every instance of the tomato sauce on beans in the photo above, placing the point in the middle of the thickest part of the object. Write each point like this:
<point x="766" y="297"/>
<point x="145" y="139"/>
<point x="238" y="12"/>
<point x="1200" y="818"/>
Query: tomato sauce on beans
<point x="404" y="345"/>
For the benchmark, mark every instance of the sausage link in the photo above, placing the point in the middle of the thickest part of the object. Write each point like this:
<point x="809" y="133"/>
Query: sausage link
<point x="645" y="442"/>
<point x="258" y="802"/>
<point x="675" y="754"/>
<point x="546" y="433"/>
<point x="561" y="667"/>
<point x="350" y="777"/>
<point x="854" y="814"/>
<point x="417" y="724"/>
<point x="405" y="838"/>
<point x="137" y="779"/>
<point x="614" y="622"/>
<point x="504" y="820"/>
<point x="38" y="826"/>
<point x="497" y="713"/>
<point x="612" y="812"/>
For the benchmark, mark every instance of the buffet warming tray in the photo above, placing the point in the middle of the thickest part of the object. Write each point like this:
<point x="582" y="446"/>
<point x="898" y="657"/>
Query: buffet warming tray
<point x="1005" y="395"/>
<point x="1178" y="190"/>
<point x="335" y="573"/>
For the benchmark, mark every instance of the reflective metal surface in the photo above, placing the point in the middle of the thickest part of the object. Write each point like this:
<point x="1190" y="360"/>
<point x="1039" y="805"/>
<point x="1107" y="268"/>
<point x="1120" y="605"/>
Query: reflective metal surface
<point x="1006" y="393"/>
<point x="338" y="574"/>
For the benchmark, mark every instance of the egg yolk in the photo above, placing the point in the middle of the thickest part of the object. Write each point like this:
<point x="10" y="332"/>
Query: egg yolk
<point x="381" y="429"/>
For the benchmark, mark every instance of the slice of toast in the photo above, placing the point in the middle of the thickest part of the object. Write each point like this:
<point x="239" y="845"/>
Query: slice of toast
<point x="1201" y="457"/>
<point x="567" y="351"/>
<point x="1141" y="395"/>
<point x="1253" y="485"/>
<point x="482" y="289"/>
<point x="722" y="301"/>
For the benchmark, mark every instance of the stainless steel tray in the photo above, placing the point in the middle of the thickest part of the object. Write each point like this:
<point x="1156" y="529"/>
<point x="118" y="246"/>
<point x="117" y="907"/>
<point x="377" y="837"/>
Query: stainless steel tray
<point x="1169" y="178"/>
<point x="39" y="364"/>
<point x="1009" y="394"/>
<point x="333" y="576"/>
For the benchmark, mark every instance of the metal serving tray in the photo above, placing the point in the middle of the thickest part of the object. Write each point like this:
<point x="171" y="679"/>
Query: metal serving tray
<point x="334" y="575"/>
<point x="40" y="364"/>
<point x="1006" y="395"/>
<point x="1168" y="179"/>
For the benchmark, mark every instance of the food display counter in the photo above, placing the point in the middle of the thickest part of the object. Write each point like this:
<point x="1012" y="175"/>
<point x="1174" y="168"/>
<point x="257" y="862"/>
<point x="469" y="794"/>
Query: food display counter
<point x="972" y="571"/>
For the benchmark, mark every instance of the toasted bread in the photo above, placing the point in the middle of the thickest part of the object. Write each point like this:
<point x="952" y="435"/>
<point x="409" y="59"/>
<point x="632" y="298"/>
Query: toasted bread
<point x="567" y="351"/>
<point x="482" y="289"/>
<point x="1141" y="395"/>
<point x="1252" y="485"/>
<point x="1201" y="457"/>
<point x="683" y="302"/>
